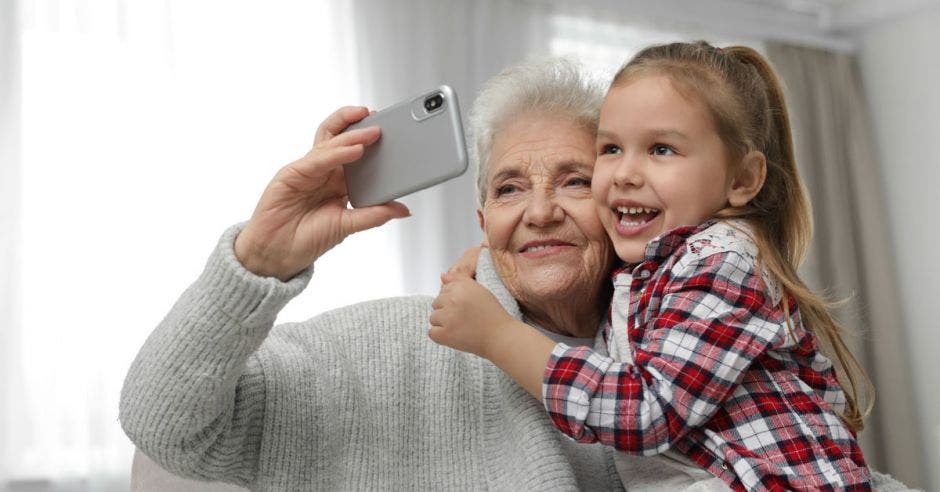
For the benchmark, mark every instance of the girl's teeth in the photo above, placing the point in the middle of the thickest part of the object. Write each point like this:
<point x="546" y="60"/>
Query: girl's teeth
<point x="636" y="216"/>
<point x="624" y="221"/>
<point x="636" y="210"/>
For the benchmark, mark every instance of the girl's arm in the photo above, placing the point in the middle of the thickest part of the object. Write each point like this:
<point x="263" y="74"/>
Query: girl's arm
<point x="706" y="332"/>
<point x="468" y="317"/>
<point x="711" y="319"/>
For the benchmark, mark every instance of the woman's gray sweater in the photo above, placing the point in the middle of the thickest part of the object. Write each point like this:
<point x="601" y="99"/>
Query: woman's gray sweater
<point x="355" y="398"/>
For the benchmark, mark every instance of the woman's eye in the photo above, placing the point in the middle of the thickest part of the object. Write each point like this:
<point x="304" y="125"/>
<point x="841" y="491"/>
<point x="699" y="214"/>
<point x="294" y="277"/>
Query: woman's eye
<point x="578" y="182"/>
<point x="609" y="149"/>
<point x="505" y="189"/>
<point x="660" y="149"/>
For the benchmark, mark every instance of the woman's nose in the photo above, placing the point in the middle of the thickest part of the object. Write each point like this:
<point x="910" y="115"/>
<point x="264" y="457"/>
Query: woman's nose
<point x="628" y="172"/>
<point x="542" y="209"/>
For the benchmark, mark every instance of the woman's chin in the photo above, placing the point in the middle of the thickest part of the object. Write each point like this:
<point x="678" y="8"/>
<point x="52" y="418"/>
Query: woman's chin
<point x="554" y="284"/>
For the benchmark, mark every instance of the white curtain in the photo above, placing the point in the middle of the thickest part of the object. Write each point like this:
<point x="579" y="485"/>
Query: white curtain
<point x="9" y="219"/>
<point x="132" y="136"/>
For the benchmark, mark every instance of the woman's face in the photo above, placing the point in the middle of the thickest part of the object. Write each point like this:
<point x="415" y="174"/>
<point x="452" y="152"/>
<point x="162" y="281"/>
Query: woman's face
<point x="546" y="240"/>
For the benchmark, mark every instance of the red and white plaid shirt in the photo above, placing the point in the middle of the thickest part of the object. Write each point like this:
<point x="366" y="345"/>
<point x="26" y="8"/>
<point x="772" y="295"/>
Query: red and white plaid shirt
<point x="715" y="373"/>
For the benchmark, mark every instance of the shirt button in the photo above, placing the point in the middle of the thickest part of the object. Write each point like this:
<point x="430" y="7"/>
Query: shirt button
<point x="724" y="466"/>
<point x="645" y="274"/>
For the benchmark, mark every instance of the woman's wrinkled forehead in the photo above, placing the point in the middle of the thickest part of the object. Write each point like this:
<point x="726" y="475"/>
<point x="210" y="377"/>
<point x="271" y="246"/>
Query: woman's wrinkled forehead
<point x="536" y="145"/>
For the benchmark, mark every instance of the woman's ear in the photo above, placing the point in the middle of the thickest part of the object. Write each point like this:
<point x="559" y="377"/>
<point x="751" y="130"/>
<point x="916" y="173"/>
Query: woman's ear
<point x="486" y="240"/>
<point x="748" y="179"/>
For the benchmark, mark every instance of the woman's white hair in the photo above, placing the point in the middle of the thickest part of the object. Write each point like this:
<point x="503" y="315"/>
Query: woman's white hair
<point x="553" y="87"/>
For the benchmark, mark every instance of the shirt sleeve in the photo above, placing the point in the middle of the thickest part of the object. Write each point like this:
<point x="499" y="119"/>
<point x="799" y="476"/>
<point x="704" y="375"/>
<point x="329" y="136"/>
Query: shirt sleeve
<point x="713" y="320"/>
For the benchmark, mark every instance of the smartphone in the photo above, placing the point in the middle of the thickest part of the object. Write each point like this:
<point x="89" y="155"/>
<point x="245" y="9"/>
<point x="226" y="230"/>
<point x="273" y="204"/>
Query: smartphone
<point x="422" y="144"/>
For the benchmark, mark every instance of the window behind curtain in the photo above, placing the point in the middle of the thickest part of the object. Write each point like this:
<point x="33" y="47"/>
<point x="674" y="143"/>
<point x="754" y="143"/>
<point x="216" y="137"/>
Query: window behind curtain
<point x="603" y="46"/>
<point x="147" y="129"/>
<point x="600" y="45"/>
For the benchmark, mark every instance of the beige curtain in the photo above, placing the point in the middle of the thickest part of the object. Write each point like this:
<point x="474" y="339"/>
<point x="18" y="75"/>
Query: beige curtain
<point x="851" y="258"/>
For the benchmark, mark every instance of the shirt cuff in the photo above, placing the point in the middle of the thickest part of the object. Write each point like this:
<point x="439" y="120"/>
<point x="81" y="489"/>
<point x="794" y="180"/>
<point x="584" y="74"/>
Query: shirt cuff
<point x="571" y="378"/>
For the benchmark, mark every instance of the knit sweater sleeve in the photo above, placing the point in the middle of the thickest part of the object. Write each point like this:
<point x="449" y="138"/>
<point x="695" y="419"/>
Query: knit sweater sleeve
<point x="194" y="397"/>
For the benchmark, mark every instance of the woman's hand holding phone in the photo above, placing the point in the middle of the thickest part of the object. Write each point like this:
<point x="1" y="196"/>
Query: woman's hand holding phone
<point x="303" y="211"/>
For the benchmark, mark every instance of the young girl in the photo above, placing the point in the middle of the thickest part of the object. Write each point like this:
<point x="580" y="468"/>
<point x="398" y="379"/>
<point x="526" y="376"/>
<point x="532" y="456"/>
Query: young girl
<point x="715" y="339"/>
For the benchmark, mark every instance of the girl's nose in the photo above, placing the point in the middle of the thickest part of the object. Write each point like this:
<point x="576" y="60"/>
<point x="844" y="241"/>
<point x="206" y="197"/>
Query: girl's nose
<point x="628" y="172"/>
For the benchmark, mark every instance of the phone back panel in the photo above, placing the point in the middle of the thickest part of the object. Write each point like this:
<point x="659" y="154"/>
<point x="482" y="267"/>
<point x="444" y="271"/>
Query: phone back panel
<point x="417" y="149"/>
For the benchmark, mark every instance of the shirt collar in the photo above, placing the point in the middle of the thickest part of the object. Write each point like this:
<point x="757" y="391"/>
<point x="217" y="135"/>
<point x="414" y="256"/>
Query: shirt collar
<point x="665" y="245"/>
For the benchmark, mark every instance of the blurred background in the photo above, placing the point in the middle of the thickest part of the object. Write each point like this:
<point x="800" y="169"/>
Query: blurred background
<point x="133" y="132"/>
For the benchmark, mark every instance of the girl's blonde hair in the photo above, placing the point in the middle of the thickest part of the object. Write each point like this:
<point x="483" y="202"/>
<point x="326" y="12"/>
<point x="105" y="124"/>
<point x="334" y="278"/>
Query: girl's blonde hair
<point x="743" y="96"/>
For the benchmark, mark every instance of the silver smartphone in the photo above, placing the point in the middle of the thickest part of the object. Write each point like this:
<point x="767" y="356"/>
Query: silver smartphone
<point x="422" y="144"/>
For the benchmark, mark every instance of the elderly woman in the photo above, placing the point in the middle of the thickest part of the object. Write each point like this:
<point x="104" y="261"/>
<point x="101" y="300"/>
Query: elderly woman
<point x="360" y="397"/>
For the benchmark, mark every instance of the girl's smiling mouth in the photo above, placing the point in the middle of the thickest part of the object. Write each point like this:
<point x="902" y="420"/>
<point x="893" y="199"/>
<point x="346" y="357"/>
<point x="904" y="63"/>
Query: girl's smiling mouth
<point x="633" y="220"/>
<point x="635" y="216"/>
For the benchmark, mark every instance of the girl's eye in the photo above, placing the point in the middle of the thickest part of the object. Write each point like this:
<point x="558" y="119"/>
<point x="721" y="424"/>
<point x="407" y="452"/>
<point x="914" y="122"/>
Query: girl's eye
<point x="609" y="149"/>
<point x="660" y="149"/>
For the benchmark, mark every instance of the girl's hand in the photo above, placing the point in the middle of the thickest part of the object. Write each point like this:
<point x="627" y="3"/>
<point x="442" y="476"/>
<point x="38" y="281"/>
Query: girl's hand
<point x="466" y="265"/>
<point x="303" y="211"/>
<point x="467" y="317"/>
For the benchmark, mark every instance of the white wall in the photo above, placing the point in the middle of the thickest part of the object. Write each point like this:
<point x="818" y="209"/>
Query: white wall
<point x="900" y="64"/>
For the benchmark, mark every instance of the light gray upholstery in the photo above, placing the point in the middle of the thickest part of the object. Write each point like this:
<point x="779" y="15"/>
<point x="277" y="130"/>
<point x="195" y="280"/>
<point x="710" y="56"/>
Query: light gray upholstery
<point x="147" y="476"/>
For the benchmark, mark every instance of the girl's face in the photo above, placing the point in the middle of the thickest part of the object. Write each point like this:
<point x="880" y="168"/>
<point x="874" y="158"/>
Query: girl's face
<point x="660" y="164"/>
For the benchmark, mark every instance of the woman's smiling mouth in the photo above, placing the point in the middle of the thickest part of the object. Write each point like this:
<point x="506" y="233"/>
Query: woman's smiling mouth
<point x="542" y="248"/>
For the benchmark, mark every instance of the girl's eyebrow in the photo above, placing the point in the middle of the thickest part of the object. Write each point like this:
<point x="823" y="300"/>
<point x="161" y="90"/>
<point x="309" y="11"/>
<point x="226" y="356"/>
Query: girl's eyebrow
<point x="653" y="133"/>
<point x="667" y="132"/>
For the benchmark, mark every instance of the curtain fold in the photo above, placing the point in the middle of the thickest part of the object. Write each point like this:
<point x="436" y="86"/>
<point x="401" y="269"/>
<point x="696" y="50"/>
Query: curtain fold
<point x="10" y="88"/>
<point x="408" y="46"/>
<point x="851" y="257"/>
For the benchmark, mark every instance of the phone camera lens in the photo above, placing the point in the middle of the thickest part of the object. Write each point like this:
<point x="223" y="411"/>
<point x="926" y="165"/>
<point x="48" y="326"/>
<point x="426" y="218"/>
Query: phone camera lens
<point x="434" y="102"/>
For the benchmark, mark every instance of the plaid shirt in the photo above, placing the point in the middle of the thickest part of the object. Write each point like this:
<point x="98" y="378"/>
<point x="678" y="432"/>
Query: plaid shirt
<point x="715" y="373"/>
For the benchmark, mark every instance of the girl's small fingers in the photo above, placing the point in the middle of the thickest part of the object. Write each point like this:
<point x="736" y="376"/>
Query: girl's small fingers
<point x="436" y="334"/>
<point x="335" y="123"/>
<point x="445" y="289"/>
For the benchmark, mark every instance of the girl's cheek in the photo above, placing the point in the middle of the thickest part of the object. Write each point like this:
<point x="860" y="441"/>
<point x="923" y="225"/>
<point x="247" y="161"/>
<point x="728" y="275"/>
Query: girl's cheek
<point x="600" y="183"/>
